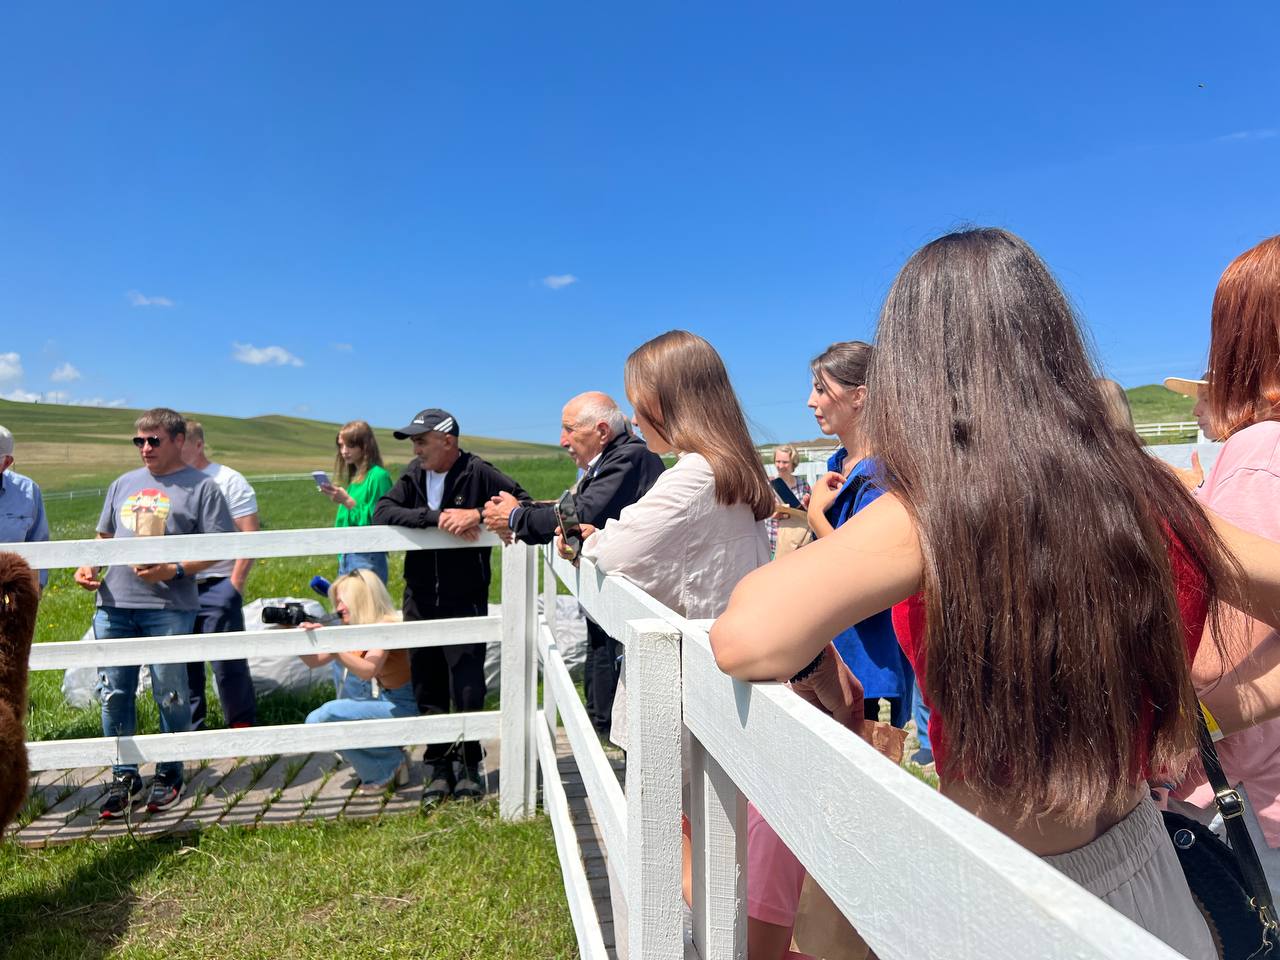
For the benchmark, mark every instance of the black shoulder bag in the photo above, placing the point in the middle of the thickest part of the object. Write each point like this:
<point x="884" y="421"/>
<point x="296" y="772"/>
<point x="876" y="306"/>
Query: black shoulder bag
<point x="1226" y="882"/>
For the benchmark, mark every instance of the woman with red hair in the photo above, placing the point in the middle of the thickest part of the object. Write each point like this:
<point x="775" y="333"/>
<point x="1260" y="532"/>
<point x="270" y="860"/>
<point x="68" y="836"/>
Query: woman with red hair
<point x="1243" y="486"/>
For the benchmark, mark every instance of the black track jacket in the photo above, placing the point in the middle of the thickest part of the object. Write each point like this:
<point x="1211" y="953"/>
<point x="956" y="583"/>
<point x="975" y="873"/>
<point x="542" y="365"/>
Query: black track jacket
<point x="623" y="474"/>
<point x="444" y="578"/>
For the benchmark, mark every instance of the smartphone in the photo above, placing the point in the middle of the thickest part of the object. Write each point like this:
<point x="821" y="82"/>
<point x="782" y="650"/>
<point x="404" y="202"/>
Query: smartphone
<point x="566" y="510"/>
<point x="321" y="478"/>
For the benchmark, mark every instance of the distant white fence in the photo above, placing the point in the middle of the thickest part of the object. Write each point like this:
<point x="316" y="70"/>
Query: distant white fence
<point x="99" y="491"/>
<point x="515" y="627"/>
<point x="915" y="874"/>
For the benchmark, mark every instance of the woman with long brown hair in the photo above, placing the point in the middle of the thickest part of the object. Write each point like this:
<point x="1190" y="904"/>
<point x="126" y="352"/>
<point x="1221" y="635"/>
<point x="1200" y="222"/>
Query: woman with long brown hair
<point x="697" y="531"/>
<point x="1050" y="580"/>
<point x="364" y="480"/>
<point x="1242" y="398"/>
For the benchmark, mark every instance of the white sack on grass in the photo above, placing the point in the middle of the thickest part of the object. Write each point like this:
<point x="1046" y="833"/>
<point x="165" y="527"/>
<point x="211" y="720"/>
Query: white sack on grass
<point x="286" y="672"/>
<point x="79" y="684"/>
<point x="571" y="637"/>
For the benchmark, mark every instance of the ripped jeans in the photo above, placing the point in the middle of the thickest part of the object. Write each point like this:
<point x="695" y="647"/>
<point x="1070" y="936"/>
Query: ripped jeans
<point x="117" y="686"/>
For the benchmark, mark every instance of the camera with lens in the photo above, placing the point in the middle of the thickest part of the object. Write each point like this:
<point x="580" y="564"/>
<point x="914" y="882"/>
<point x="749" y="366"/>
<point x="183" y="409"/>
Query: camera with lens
<point x="289" y="614"/>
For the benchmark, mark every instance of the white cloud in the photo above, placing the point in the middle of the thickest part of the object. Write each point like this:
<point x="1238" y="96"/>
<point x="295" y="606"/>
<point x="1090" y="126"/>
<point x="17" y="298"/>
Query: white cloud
<point x="558" y="281"/>
<point x="1266" y="133"/>
<point x="343" y="347"/>
<point x="10" y="368"/>
<point x="65" y="374"/>
<point x="99" y="402"/>
<point x="21" y="396"/>
<point x="142" y="300"/>
<point x="264" y="356"/>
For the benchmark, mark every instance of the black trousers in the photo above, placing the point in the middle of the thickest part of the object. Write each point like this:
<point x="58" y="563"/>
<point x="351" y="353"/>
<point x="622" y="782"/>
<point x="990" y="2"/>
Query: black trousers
<point x="600" y="676"/>
<point x="445" y="677"/>
<point x="221" y="612"/>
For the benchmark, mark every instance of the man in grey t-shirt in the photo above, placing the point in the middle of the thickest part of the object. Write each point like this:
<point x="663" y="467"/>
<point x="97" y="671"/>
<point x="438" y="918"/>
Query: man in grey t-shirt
<point x="165" y="496"/>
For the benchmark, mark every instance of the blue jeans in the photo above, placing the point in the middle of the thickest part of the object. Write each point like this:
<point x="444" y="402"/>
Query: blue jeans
<point x="921" y="714"/>
<point x="117" y="686"/>
<point x="347" y="686"/>
<point x="372" y="765"/>
<point x="377" y="562"/>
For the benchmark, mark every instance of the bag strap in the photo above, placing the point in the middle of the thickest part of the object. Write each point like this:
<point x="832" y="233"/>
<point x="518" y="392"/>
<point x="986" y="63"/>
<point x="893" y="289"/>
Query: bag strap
<point x="1231" y="806"/>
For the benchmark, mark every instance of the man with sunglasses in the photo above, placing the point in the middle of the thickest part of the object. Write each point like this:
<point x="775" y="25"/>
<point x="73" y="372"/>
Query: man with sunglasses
<point x="164" y="496"/>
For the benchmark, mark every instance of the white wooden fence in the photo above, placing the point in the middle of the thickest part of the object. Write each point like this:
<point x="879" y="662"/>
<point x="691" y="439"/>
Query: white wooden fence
<point x="915" y="874"/>
<point x="516" y="627"/>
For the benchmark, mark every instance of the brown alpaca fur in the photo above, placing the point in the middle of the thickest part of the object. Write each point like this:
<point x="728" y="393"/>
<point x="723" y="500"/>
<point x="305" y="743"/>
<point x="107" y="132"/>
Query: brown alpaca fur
<point x="19" y="601"/>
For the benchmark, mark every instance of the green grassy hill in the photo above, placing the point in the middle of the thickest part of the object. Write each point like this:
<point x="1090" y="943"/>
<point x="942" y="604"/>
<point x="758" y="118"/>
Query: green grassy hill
<point x="70" y="448"/>
<point x="1154" y="404"/>
<point x="1150" y="404"/>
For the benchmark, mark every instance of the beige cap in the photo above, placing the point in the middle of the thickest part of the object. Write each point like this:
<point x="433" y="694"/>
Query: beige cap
<point x="1188" y="388"/>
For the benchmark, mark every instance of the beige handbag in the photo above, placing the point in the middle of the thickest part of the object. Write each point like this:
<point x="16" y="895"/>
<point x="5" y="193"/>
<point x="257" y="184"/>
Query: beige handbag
<point x="793" y="531"/>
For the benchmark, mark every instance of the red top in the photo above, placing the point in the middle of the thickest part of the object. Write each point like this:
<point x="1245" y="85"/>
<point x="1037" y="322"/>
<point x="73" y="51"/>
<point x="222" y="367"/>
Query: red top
<point x="909" y="625"/>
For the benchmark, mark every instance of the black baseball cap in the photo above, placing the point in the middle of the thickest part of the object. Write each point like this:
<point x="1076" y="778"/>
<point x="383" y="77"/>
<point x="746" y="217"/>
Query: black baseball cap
<point x="431" y="420"/>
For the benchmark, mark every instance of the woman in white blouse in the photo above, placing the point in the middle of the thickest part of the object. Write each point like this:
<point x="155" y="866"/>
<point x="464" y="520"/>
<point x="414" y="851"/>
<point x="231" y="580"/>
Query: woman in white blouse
<point x="697" y="532"/>
<point x="699" y="529"/>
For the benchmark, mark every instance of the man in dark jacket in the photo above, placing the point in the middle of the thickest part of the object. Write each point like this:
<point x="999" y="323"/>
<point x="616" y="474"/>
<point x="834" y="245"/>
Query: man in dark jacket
<point x="446" y="487"/>
<point x="618" y="469"/>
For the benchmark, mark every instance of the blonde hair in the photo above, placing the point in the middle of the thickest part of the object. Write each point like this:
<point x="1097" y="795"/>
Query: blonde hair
<point x="792" y="454"/>
<point x="679" y="384"/>
<point x="366" y="597"/>
<point x="1119" y="413"/>
<point x="356" y="433"/>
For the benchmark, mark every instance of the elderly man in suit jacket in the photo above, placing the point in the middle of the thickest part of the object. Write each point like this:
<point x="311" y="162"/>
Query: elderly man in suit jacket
<point x="617" y="470"/>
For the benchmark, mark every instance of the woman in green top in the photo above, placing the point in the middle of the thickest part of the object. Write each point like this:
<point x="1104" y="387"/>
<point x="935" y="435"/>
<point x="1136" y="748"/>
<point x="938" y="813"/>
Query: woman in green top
<point x="359" y="465"/>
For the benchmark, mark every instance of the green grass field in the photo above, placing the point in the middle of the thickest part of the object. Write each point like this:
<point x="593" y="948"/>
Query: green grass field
<point x="458" y="884"/>
<point x="74" y="448"/>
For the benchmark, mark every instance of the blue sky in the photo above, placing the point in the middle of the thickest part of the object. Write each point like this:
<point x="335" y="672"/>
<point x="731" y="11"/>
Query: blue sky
<point x="341" y="211"/>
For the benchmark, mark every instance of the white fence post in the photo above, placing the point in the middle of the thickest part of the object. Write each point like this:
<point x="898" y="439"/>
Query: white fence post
<point x="653" y="896"/>
<point x="518" y="779"/>
<point x="718" y="821"/>
<point x="549" y="711"/>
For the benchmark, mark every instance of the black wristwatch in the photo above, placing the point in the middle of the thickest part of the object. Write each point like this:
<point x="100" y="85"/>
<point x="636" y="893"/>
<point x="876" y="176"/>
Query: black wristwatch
<point x="178" y="571"/>
<point x="807" y="671"/>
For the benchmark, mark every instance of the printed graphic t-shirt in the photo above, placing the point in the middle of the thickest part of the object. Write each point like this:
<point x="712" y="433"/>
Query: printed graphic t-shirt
<point x="182" y="502"/>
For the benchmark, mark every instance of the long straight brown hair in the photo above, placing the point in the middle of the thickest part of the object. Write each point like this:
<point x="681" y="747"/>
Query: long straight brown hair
<point x="1055" y="650"/>
<point x="1244" y="349"/>
<point x="679" y="384"/>
<point x="356" y="433"/>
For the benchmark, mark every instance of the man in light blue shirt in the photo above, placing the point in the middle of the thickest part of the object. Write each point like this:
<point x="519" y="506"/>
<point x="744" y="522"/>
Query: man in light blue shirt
<point x="22" y="518"/>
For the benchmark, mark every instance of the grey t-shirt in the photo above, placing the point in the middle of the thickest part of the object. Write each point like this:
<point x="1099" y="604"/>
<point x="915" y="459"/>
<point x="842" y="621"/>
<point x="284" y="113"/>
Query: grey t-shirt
<point x="186" y="501"/>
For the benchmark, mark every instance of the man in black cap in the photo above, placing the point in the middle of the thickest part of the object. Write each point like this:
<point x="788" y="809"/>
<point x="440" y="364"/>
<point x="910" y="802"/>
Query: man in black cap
<point x="446" y="487"/>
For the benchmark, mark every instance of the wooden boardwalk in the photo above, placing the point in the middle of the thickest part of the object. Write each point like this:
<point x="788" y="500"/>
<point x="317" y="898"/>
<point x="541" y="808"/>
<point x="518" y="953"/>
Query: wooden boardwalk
<point x="244" y="792"/>
<point x="588" y="834"/>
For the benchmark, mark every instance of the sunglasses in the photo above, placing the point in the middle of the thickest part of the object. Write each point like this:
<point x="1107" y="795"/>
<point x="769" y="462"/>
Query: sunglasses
<point x="152" y="442"/>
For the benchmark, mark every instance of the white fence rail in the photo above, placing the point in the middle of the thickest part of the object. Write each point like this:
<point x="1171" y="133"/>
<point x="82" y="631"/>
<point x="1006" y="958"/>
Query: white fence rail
<point x="882" y="844"/>
<point x="515" y="628"/>
<point x="878" y="841"/>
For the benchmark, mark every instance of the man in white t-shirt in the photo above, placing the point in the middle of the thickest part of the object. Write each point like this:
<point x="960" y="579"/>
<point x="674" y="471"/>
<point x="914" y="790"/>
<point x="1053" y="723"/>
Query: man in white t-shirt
<point x="221" y="588"/>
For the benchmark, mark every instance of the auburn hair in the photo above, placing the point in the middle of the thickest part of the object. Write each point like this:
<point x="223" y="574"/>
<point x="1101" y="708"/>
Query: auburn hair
<point x="1244" y="348"/>
<point x="1055" y="650"/>
<point x="679" y="384"/>
<point x="357" y="433"/>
